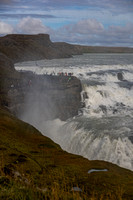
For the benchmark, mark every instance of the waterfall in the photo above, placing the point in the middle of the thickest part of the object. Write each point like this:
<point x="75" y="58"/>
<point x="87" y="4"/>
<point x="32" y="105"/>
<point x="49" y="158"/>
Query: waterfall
<point x="103" y="130"/>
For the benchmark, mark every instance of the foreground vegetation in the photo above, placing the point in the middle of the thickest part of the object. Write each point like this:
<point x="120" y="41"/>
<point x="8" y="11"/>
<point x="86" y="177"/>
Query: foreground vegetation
<point x="33" y="167"/>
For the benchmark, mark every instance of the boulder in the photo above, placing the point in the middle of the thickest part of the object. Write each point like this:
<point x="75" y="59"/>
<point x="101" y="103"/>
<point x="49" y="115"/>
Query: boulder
<point x="120" y="76"/>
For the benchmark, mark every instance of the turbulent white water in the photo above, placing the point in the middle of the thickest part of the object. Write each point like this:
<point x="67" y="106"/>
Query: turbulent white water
<point x="104" y="128"/>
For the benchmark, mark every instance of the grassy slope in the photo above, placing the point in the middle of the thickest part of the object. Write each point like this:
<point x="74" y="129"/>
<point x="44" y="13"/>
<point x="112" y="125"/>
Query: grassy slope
<point x="31" y="163"/>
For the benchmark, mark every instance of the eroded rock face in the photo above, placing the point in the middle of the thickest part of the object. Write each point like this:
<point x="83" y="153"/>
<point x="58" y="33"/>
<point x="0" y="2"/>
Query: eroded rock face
<point x="7" y="72"/>
<point x="49" y="96"/>
<point x="120" y="76"/>
<point x="20" y="47"/>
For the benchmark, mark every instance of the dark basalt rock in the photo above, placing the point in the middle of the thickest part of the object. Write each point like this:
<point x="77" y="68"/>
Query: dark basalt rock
<point x="131" y="138"/>
<point x="103" y="108"/>
<point x="120" y="76"/>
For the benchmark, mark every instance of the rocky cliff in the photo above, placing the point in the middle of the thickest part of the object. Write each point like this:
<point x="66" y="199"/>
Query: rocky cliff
<point x="35" y="47"/>
<point x="53" y="96"/>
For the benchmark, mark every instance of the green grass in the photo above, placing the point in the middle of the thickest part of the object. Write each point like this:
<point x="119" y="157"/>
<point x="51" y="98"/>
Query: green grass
<point x="32" y="167"/>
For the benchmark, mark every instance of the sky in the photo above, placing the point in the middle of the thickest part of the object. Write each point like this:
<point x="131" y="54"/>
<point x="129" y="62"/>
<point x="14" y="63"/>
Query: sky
<point x="85" y="22"/>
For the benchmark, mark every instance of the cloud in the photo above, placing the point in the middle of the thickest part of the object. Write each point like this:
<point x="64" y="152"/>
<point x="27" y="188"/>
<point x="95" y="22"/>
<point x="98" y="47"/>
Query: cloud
<point x="92" y="32"/>
<point x="30" y="25"/>
<point x="120" y="35"/>
<point x="113" y="5"/>
<point x="88" y="26"/>
<point x="86" y="2"/>
<point x="122" y="30"/>
<point x="85" y="32"/>
<point x="82" y="29"/>
<point x="5" y="28"/>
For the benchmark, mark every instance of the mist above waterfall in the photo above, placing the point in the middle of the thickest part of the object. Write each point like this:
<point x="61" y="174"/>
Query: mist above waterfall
<point x="38" y="105"/>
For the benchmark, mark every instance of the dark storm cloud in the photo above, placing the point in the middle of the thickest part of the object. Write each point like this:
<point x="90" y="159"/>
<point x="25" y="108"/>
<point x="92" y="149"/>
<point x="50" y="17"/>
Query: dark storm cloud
<point x="19" y="16"/>
<point x="5" y="2"/>
<point x="113" y="5"/>
<point x="110" y="4"/>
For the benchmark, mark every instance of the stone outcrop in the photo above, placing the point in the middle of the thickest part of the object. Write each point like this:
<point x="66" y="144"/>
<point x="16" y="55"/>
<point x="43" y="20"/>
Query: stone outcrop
<point x="34" y="47"/>
<point x="120" y="76"/>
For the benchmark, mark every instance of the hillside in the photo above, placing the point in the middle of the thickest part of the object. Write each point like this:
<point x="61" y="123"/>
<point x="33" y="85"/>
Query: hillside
<point x="35" y="47"/>
<point x="34" y="167"/>
<point x="79" y="49"/>
<point x="32" y="47"/>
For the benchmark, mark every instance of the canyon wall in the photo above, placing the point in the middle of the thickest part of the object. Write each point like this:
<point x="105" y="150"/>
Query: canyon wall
<point x="53" y="96"/>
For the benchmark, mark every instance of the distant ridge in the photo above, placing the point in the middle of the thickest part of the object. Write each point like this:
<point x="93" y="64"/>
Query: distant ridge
<point x="20" y="47"/>
<point x="102" y="49"/>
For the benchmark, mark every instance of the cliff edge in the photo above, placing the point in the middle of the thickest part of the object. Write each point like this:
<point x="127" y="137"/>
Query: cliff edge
<point x="19" y="47"/>
<point x="53" y="96"/>
<point x="33" y="47"/>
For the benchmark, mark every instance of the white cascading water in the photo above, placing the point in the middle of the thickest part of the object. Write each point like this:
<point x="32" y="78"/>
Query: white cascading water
<point x="104" y="128"/>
